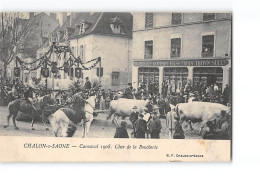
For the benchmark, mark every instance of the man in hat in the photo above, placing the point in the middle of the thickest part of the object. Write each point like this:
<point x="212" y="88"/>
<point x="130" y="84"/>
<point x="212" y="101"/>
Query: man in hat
<point x="128" y="92"/>
<point x="147" y="117"/>
<point x="121" y="131"/>
<point x="149" y="106"/>
<point x="87" y="85"/>
<point x="140" y="126"/>
<point x="133" y="118"/>
<point x="209" y="132"/>
<point x="146" y="114"/>
<point x="155" y="125"/>
<point x="161" y="104"/>
<point x="226" y="95"/>
<point x="167" y="107"/>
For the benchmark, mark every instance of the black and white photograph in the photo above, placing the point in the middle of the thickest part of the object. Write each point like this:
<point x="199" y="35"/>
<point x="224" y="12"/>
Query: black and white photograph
<point x="116" y="75"/>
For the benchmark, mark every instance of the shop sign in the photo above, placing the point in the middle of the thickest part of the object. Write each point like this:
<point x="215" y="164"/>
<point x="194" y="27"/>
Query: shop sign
<point x="197" y="62"/>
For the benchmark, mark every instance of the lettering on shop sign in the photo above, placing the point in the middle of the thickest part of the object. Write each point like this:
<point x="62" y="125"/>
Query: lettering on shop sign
<point x="201" y="62"/>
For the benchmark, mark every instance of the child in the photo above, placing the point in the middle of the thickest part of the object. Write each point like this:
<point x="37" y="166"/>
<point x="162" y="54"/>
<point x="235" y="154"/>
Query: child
<point x="121" y="131"/>
<point x="178" y="131"/>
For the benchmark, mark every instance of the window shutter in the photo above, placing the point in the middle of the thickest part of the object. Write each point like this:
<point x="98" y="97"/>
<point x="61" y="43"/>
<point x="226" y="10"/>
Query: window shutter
<point x="176" y="18"/>
<point x="148" y="20"/>
<point x="208" y="16"/>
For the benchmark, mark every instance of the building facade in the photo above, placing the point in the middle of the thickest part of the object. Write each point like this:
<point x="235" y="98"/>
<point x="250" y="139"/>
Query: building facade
<point x="181" y="47"/>
<point x="93" y="35"/>
<point x="41" y="31"/>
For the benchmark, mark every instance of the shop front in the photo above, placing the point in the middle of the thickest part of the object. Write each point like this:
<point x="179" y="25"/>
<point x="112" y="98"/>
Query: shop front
<point x="178" y="72"/>
<point x="208" y="76"/>
<point x="148" y="78"/>
<point x="175" y="77"/>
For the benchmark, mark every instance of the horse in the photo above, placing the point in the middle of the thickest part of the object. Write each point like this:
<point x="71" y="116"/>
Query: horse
<point x="66" y="119"/>
<point x="22" y="106"/>
<point x="46" y="105"/>
<point x="37" y="108"/>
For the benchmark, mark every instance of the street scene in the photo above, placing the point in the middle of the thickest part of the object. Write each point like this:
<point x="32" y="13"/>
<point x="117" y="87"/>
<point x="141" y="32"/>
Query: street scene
<point x="116" y="75"/>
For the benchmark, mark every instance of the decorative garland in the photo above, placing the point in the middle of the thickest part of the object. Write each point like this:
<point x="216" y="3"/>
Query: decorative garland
<point x="58" y="50"/>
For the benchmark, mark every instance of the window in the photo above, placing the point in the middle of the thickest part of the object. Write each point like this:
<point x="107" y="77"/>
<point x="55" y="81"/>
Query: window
<point x="81" y="53"/>
<point x="82" y="29"/>
<point x="177" y="77"/>
<point x="176" y="18"/>
<point x="208" y="46"/>
<point x="78" y="28"/>
<point x="115" y="28"/>
<point x="148" y="49"/>
<point x="175" y="47"/>
<point x="208" y="76"/>
<point x="115" y="78"/>
<point x="209" y="16"/>
<point x="148" y="20"/>
<point x="148" y="78"/>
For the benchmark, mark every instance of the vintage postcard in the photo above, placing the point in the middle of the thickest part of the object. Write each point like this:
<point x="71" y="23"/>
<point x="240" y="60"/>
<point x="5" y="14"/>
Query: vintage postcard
<point x="115" y="86"/>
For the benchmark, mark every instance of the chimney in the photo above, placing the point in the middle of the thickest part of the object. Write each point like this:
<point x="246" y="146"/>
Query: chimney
<point x="31" y="14"/>
<point x="64" y="17"/>
<point x="69" y="19"/>
<point x="72" y="17"/>
<point x="53" y="16"/>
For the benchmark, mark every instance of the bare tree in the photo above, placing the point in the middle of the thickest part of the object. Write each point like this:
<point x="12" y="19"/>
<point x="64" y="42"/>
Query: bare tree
<point x="19" y="34"/>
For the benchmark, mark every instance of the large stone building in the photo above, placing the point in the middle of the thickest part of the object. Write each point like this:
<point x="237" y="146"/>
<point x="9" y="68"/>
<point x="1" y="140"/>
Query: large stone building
<point x="40" y="31"/>
<point x="93" y="35"/>
<point x="181" y="47"/>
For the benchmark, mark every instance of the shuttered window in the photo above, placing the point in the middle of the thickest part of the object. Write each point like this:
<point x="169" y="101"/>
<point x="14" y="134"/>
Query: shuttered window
<point x="115" y="78"/>
<point x="176" y="18"/>
<point x="209" y="16"/>
<point x="148" y="20"/>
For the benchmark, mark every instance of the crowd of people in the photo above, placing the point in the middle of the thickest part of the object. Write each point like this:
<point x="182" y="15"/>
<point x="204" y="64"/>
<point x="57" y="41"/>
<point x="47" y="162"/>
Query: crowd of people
<point x="145" y="125"/>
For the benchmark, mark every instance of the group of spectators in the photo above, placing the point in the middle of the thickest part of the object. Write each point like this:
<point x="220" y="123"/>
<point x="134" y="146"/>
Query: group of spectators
<point x="145" y="125"/>
<point x="189" y="92"/>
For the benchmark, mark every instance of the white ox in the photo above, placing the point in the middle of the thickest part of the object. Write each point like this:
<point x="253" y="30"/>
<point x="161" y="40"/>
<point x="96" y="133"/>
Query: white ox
<point x="124" y="107"/>
<point x="200" y="112"/>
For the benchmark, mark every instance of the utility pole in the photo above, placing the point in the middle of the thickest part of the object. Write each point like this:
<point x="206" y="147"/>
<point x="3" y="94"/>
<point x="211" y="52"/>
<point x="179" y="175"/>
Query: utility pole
<point x="99" y="74"/>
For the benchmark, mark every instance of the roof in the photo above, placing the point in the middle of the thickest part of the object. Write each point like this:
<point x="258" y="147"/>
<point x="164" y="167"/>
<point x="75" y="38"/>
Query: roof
<point x="98" y="23"/>
<point x="126" y="19"/>
<point x="91" y="18"/>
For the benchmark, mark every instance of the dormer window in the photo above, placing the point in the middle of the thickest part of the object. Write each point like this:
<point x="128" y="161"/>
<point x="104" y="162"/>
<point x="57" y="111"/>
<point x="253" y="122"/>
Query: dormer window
<point x="82" y="28"/>
<point x="115" y="28"/>
<point x="116" y="25"/>
<point x="78" y="27"/>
